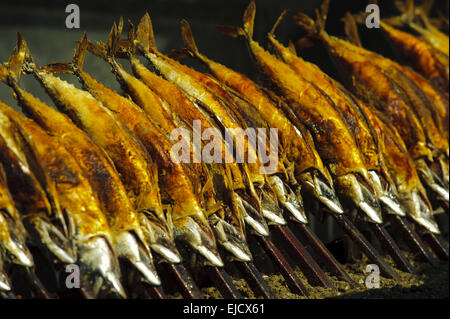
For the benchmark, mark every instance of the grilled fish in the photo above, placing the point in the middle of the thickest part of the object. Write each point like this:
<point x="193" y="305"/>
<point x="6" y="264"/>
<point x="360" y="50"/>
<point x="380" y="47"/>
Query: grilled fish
<point x="88" y="226"/>
<point x="312" y="107"/>
<point x="369" y="82"/>
<point x="156" y="127"/>
<point x="99" y="170"/>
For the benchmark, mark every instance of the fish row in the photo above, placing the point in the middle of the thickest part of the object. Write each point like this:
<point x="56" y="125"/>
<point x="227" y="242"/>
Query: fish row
<point x="92" y="182"/>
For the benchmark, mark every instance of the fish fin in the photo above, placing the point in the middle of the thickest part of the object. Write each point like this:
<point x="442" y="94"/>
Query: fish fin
<point x="188" y="38"/>
<point x="351" y="29"/>
<point x="180" y="54"/>
<point x="249" y="19"/>
<point x="314" y="28"/>
<point x="291" y="47"/>
<point x="145" y="36"/>
<point x="80" y="52"/>
<point x="232" y="31"/>
<point x="272" y="31"/>
<point x="304" y="43"/>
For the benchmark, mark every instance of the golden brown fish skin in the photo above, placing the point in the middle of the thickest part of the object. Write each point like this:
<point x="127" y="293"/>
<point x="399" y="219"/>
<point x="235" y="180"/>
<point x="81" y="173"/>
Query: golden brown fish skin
<point x="420" y="55"/>
<point x="148" y="130"/>
<point x="299" y="154"/>
<point x="438" y="101"/>
<point x="175" y="72"/>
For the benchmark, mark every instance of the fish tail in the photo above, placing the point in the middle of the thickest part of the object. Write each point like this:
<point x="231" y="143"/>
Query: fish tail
<point x="145" y="37"/>
<point x="80" y="53"/>
<point x="317" y="27"/>
<point x="246" y="32"/>
<point x="351" y="29"/>
<point x="188" y="38"/>
<point x="272" y="31"/>
<point x="11" y="71"/>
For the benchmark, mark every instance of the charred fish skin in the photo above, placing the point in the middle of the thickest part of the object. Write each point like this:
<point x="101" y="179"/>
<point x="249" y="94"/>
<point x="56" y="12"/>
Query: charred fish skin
<point x="331" y="136"/>
<point x="89" y="229"/>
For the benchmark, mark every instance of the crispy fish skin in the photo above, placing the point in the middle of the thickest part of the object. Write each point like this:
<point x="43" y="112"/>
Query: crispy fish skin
<point x="417" y="53"/>
<point x="402" y="169"/>
<point x="300" y="155"/>
<point x="90" y="231"/>
<point x="311" y="106"/>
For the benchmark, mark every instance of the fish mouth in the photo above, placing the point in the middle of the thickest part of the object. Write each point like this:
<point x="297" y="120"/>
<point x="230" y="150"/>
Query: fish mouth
<point x="52" y="238"/>
<point x="5" y="285"/>
<point x="99" y="268"/>
<point x="350" y="187"/>
<point x="128" y="247"/>
<point x="386" y="195"/>
<point x="420" y="211"/>
<point x="159" y="238"/>
<point x="231" y="240"/>
<point x="269" y="207"/>
<point x="17" y="252"/>
<point x="252" y="217"/>
<point x="290" y="201"/>
<point x="322" y="191"/>
<point x="432" y="181"/>
<point x="200" y="237"/>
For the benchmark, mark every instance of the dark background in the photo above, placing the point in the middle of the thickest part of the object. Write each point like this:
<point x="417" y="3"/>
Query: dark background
<point x="43" y="25"/>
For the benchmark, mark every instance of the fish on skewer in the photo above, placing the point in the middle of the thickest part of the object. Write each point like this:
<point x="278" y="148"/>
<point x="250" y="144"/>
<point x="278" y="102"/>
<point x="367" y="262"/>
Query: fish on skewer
<point x="433" y="115"/>
<point x="369" y="82"/>
<point x="301" y="157"/>
<point x="429" y="61"/>
<point x="213" y="99"/>
<point x="137" y="169"/>
<point x="307" y="104"/>
<point x="88" y="227"/>
<point x="362" y="132"/>
<point x="128" y="236"/>
<point x="157" y="127"/>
